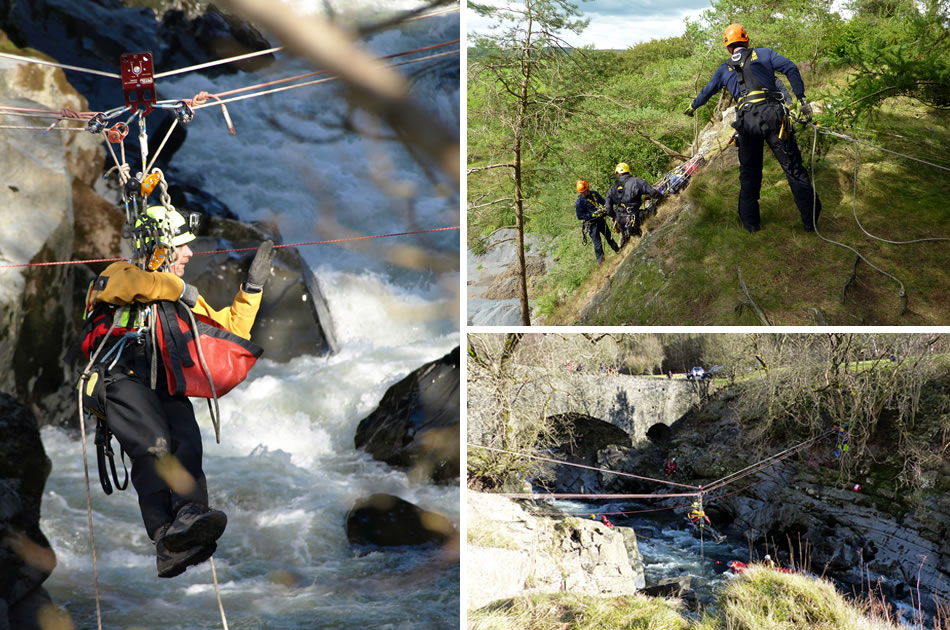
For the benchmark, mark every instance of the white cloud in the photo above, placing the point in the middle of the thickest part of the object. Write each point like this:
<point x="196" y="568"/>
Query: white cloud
<point x="618" y="25"/>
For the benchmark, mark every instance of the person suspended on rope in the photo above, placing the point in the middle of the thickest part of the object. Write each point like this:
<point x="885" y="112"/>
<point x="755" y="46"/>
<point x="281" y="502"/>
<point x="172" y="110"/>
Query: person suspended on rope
<point x="670" y="467"/>
<point x="134" y="320"/>
<point x="768" y="561"/>
<point x="603" y="519"/>
<point x="842" y="436"/>
<point x="749" y="75"/>
<point x="698" y="517"/>
<point x="589" y="208"/>
<point x="624" y="199"/>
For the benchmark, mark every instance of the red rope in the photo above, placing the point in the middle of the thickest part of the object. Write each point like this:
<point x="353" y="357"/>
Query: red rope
<point x="242" y="249"/>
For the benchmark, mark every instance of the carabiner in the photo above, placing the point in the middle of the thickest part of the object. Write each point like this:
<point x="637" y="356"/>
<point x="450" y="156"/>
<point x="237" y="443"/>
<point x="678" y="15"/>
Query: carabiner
<point x="184" y="112"/>
<point x="97" y="123"/>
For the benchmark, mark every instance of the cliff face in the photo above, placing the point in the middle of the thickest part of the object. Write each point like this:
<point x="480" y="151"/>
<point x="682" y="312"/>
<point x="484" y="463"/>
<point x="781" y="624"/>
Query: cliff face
<point x="511" y="553"/>
<point x="882" y="532"/>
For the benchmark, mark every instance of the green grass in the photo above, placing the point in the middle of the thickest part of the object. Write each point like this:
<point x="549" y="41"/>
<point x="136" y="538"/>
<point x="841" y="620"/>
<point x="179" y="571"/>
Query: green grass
<point x="579" y="612"/>
<point x="759" y="599"/>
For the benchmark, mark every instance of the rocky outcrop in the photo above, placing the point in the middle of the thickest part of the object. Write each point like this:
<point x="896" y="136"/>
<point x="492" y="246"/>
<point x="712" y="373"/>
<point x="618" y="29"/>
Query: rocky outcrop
<point x="511" y="552"/>
<point x="416" y="425"/>
<point x="388" y="521"/>
<point x="492" y="294"/>
<point x="878" y="533"/>
<point x="25" y="555"/>
<point x="39" y="174"/>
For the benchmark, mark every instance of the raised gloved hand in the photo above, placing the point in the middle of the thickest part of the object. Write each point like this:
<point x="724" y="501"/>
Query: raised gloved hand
<point x="189" y="295"/>
<point x="260" y="267"/>
<point x="804" y="110"/>
<point x="690" y="111"/>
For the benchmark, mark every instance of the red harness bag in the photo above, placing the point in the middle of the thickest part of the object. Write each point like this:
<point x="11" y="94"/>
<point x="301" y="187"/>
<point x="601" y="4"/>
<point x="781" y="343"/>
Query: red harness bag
<point x="229" y="357"/>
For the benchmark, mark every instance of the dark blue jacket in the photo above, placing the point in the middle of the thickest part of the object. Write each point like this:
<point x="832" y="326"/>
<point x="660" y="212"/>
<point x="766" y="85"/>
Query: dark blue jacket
<point x="763" y="65"/>
<point x="585" y="209"/>
<point x="628" y="190"/>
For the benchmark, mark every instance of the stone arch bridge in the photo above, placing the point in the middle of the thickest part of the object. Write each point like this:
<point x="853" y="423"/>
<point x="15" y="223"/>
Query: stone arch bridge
<point x="640" y="406"/>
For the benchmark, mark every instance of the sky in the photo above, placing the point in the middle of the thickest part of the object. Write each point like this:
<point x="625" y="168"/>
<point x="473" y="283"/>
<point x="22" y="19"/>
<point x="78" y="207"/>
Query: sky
<point x="619" y="24"/>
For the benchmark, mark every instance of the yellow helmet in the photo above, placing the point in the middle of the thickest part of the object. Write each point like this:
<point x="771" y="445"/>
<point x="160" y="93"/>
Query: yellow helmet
<point x="735" y="34"/>
<point x="177" y="224"/>
<point x="623" y="167"/>
<point x="582" y="186"/>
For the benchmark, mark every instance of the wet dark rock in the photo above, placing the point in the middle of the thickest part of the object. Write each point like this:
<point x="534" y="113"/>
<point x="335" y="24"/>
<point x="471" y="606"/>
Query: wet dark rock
<point x="388" y="521"/>
<point x="214" y="35"/>
<point x="25" y="554"/>
<point x="672" y="588"/>
<point x="417" y="422"/>
<point x="192" y="198"/>
<point x="293" y="319"/>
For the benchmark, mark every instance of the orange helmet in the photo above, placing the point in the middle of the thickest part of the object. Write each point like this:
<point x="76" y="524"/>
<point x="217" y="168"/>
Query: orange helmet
<point x="735" y="34"/>
<point x="582" y="186"/>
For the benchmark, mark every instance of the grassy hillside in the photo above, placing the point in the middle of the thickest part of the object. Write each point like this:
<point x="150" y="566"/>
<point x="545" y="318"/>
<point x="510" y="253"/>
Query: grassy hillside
<point x="684" y="271"/>
<point x="688" y="273"/>
<point x="759" y="598"/>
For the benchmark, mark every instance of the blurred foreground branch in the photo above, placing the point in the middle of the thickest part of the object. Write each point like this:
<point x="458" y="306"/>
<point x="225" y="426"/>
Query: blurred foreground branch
<point x="373" y="86"/>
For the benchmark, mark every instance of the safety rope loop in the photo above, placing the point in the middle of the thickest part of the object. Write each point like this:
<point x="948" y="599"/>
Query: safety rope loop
<point x="902" y="293"/>
<point x="202" y="97"/>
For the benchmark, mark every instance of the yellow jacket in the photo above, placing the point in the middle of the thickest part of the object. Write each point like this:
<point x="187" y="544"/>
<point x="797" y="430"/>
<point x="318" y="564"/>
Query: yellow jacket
<point x="123" y="283"/>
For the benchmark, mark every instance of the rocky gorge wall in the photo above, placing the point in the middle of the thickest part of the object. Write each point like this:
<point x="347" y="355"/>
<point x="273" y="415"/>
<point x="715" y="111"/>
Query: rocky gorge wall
<point x="884" y="533"/>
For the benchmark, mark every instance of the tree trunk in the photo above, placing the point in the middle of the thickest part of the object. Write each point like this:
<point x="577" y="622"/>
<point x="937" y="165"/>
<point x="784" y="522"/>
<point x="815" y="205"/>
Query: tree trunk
<point x="519" y="200"/>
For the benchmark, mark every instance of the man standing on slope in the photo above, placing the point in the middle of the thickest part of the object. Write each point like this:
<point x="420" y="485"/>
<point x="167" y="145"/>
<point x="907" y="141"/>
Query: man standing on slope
<point x="749" y="75"/>
<point x="624" y="199"/>
<point x="589" y="208"/>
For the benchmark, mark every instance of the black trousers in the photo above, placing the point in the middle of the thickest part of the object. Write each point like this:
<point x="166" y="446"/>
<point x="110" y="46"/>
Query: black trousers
<point x="150" y="424"/>
<point x="599" y="227"/>
<point x="762" y="123"/>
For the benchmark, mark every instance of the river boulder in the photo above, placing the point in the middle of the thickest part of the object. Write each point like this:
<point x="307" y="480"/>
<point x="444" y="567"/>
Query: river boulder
<point x="416" y="425"/>
<point x="388" y="521"/>
<point x="294" y="318"/>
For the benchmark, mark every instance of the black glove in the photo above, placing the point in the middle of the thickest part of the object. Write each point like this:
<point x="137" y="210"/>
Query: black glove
<point x="804" y="110"/>
<point x="189" y="295"/>
<point x="690" y="111"/>
<point x="260" y="267"/>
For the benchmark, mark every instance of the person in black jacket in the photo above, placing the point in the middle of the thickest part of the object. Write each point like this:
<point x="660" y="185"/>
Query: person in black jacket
<point x="589" y="208"/>
<point x="624" y="199"/>
<point x="749" y="75"/>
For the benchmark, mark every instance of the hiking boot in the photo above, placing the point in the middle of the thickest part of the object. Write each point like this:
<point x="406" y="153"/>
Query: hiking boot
<point x="624" y="239"/>
<point x="751" y="228"/>
<point x="195" y="525"/>
<point x="600" y="260"/>
<point x="173" y="563"/>
<point x="809" y="228"/>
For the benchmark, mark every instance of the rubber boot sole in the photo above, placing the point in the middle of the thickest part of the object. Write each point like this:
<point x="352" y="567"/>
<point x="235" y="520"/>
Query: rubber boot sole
<point x="178" y="566"/>
<point x="206" y="529"/>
